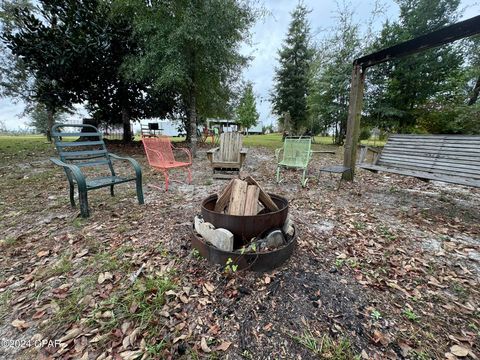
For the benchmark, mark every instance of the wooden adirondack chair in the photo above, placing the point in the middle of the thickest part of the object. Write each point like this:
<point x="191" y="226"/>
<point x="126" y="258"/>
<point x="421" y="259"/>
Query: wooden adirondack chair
<point x="227" y="159"/>
<point x="160" y="155"/>
<point x="296" y="154"/>
<point x="90" y="151"/>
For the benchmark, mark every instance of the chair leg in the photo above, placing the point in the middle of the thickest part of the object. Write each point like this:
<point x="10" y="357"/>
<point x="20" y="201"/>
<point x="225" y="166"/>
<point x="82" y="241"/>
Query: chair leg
<point x="72" y="195"/>
<point x="112" y="192"/>
<point x="339" y="183"/>
<point x="304" y="178"/>
<point x="278" y="174"/>
<point x="138" y="183"/>
<point x="83" y="204"/>
<point x="165" y="173"/>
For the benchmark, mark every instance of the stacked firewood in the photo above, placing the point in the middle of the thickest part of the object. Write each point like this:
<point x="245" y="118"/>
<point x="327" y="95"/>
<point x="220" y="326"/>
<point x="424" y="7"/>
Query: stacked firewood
<point x="244" y="197"/>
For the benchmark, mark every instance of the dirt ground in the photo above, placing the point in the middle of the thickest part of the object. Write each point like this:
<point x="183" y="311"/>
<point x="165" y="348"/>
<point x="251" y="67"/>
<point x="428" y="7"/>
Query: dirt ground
<point x="387" y="267"/>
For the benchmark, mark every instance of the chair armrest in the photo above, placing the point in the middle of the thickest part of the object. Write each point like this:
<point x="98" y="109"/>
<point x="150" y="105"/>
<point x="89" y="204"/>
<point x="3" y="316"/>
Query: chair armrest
<point x="378" y="151"/>
<point x="135" y="164"/>
<point x="211" y="151"/>
<point x="186" y="151"/>
<point x="75" y="170"/>
<point x="243" y="150"/>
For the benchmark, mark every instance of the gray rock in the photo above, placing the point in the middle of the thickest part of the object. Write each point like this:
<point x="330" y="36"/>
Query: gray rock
<point x="274" y="239"/>
<point x="221" y="238"/>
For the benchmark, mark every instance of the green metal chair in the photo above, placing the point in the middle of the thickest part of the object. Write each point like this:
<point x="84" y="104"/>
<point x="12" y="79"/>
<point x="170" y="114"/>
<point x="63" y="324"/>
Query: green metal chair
<point x="89" y="151"/>
<point x="296" y="154"/>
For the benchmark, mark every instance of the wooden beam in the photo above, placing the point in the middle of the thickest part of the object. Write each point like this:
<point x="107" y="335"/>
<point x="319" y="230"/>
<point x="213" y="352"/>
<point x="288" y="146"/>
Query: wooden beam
<point x="445" y="35"/>
<point x="353" y="122"/>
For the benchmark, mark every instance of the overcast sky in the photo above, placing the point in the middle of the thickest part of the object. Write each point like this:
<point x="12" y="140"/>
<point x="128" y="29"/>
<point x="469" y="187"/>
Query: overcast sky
<point x="267" y="37"/>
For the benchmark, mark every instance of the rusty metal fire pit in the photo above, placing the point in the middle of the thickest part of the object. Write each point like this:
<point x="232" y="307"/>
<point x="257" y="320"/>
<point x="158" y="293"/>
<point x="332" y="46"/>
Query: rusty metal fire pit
<point x="263" y="261"/>
<point x="244" y="228"/>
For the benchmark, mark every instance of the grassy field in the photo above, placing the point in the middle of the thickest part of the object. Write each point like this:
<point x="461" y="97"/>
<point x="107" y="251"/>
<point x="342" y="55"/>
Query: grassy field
<point x="27" y="145"/>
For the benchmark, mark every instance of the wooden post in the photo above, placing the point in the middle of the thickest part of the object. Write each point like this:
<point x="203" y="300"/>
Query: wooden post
<point x="353" y="122"/>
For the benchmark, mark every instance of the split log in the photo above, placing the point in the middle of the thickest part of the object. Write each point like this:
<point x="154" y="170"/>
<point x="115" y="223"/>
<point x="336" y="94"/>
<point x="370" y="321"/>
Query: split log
<point x="251" y="202"/>
<point x="222" y="200"/>
<point x="237" y="197"/>
<point x="264" y="198"/>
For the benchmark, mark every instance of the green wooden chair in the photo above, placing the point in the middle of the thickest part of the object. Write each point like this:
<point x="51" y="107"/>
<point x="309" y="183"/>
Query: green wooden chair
<point x="296" y="154"/>
<point x="89" y="151"/>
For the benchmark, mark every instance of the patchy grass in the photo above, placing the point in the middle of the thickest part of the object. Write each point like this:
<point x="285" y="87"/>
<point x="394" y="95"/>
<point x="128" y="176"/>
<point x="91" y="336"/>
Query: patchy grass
<point x="71" y="308"/>
<point x="140" y="304"/>
<point x="8" y="241"/>
<point x="23" y="147"/>
<point x="5" y="298"/>
<point x="60" y="267"/>
<point x="327" y="348"/>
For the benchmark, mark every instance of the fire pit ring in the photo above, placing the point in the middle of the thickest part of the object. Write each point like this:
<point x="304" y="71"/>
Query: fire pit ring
<point x="244" y="228"/>
<point x="259" y="262"/>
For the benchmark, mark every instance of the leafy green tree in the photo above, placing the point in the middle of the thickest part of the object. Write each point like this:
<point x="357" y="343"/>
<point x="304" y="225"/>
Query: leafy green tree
<point x="331" y="72"/>
<point x="247" y="114"/>
<point x="292" y="76"/>
<point x="401" y="91"/>
<point x="73" y="52"/>
<point x="473" y="52"/>
<point x="39" y="119"/>
<point x="30" y="34"/>
<point x="193" y="47"/>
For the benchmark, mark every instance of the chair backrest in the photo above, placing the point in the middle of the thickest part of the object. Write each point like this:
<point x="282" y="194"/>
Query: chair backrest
<point x="80" y="144"/>
<point x="230" y="146"/>
<point x="297" y="151"/>
<point x="159" y="150"/>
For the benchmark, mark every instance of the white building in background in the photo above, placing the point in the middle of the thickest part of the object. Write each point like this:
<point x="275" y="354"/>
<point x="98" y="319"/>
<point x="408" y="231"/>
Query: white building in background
<point x="176" y="128"/>
<point x="231" y="125"/>
<point x="164" y="127"/>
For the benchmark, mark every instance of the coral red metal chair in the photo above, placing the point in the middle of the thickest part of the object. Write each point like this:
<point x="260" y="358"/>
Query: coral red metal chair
<point x="160" y="156"/>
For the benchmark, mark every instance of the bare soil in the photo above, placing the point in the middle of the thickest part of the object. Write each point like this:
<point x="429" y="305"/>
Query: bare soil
<point x="388" y="265"/>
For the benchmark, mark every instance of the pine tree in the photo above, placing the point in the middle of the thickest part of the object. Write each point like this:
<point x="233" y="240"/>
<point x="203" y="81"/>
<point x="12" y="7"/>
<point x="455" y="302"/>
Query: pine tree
<point x="291" y="79"/>
<point x="247" y="109"/>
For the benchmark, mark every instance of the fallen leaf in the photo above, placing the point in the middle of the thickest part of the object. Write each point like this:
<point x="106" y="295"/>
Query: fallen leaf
<point x="223" y="346"/>
<point x="43" y="253"/>
<point x="204" y="346"/>
<point x="71" y="334"/>
<point x="39" y="314"/>
<point x="20" y="324"/>
<point x="267" y="279"/>
<point x="130" y="355"/>
<point x="104" y="277"/>
<point x="82" y="253"/>
<point x="181" y="337"/>
<point x="379" y="337"/>
<point x="459" y="351"/>
<point x="209" y="287"/>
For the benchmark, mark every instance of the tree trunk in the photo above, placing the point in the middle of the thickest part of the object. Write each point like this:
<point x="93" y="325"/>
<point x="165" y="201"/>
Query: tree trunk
<point x="193" y="121"/>
<point x="127" y="129"/>
<point x="50" y="121"/>
<point x="476" y="90"/>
